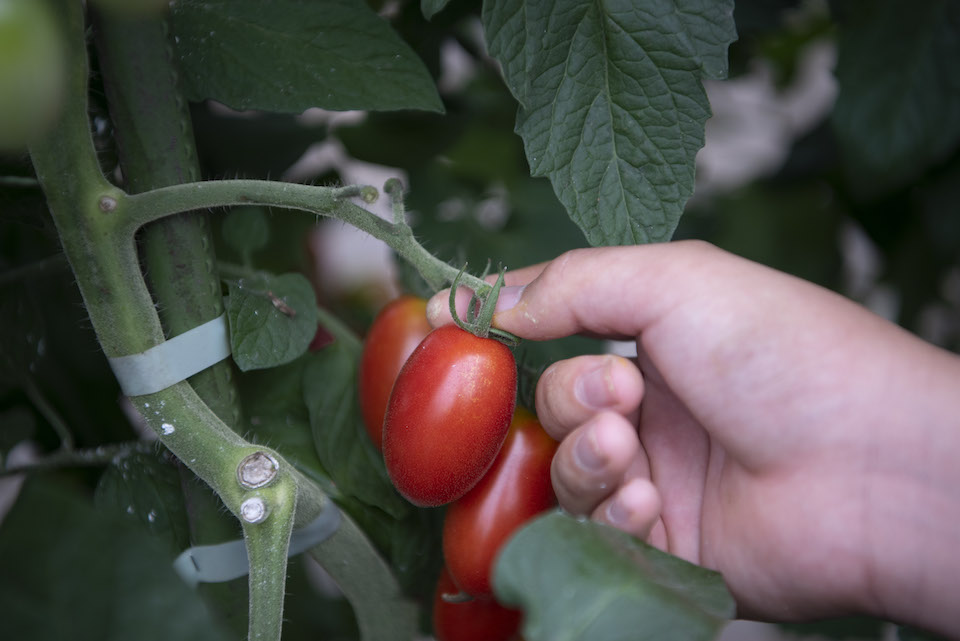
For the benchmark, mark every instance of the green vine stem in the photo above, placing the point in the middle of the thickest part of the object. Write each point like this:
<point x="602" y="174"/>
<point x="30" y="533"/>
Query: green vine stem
<point x="88" y="457"/>
<point x="139" y="209"/>
<point x="381" y="610"/>
<point x="49" y="412"/>
<point x="155" y="146"/>
<point x="103" y="256"/>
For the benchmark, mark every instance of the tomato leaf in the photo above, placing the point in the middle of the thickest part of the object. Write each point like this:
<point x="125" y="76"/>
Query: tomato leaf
<point x="341" y="442"/>
<point x="272" y="319"/>
<point x="290" y="55"/>
<point x="430" y="8"/>
<point x="246" y="229"/>
<point x="144" y="488"/>
<point x="612" y="109"/>
<point x="71" y="571"/>
<point x="898" y="111"/>
<point x="583" y="580"/>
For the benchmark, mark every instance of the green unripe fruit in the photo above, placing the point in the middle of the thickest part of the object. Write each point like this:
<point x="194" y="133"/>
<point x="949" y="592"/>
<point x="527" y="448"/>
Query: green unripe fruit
<point x="32" y="71"/>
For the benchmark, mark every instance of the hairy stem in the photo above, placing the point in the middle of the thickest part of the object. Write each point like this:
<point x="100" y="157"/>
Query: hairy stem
<point x="156" y="148"/>
<point x="89" y="457"/>
<point x="49" y="412"/>
<point x="322" y="201"/>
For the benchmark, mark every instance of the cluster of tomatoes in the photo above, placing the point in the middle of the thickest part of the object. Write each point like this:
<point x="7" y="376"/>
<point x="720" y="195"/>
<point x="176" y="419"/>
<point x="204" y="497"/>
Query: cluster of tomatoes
<point x="441" y="406"/>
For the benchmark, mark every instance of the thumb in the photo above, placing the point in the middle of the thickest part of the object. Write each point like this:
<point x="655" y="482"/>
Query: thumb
<point x="614" y="292"/>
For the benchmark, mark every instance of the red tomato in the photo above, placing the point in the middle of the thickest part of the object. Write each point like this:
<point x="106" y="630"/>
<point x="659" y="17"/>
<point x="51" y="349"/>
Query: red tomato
<point x="394" y="334"/>
<point x="448" y="415"/>
<point x="476" y="620"/>
<point x="516" y="489"/>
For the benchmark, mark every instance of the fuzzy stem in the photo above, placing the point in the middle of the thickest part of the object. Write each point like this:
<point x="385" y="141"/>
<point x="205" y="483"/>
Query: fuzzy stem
<point x="90" y="457"/>
<point x="155" y="146"/>
<point x="323" y="201"/>
<point x="49" y="412"/>
<point x="155" y="143"/>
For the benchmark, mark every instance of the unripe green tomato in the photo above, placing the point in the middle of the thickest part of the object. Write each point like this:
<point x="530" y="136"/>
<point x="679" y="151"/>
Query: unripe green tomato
<point x="131" y="8"/>
<point x="32" y="71"/>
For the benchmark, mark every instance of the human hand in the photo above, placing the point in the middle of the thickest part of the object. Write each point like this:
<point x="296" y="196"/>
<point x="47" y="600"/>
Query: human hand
<point x="770" y="429"/>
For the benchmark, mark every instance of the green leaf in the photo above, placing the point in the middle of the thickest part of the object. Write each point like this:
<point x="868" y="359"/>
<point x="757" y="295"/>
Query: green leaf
<point x="430" y="8"/>
<point x="145" y="489"/>
<point x="277" y="416"/>
<point x="345" y="450"/>
<point x="272" y="319"/>
<point x="898" y="111"/>
<point x="72" y="572"/>
<point x="906" y="633"/>
<point x="612" y="109"/>
<point x="582" y="580"/>
<point x="843" y="628"/>
<point x="290" y="55"/>
<point x="246" y="229"/>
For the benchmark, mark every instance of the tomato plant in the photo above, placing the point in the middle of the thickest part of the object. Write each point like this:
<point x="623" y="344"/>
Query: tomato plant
<point x="473" y="620"/>
<point x="394" y="334"/>
<point x="448" y="415"/>
<point x="515" y="489"/>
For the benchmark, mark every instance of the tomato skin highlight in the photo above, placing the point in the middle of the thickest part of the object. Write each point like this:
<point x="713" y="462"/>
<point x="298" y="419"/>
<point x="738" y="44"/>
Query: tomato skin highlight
<point x="394" y="334"/>
<point x="477" y="620"/>
<point x="515" y="489"/>
<point x="448" y="415"/>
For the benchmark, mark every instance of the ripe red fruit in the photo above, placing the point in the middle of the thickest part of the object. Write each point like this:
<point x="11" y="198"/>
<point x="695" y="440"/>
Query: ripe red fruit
<point x="515" y="489"/>
<point x="394" y="334"/>
<point x="476" y="620"/>
<point x="448" y="415"/>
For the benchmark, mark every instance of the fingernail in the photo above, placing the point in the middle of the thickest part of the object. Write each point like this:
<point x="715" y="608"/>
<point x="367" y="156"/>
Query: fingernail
<point x="436" y="307"/>
<point x="509" y="296"/>
<point x="617" y="513"/>
<point x="587" y="453"/>
<point x="595" y="388"/>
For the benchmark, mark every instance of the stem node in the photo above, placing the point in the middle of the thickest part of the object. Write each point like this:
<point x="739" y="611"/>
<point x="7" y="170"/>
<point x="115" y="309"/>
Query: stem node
<point x="257" y="470"/>
<point x="254" y="510"/>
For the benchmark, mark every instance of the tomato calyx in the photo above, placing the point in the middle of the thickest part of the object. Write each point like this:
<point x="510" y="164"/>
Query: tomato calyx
<point x="481" y="310"/>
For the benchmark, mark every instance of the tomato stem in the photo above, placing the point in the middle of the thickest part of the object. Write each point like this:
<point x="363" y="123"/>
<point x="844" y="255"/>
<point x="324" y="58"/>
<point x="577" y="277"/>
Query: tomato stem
<point x="139" y="209"/>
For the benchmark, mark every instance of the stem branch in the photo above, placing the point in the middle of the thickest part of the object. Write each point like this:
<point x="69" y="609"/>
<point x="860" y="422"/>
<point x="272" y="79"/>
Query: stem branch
<point x="142" y="208"/>
<point x="90" y="457"/>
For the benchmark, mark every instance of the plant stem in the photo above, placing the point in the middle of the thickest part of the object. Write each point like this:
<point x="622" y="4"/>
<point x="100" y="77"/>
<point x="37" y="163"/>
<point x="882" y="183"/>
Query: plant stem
<point x="381" y="610"/>
<point x="339" y="330"/>
<point x="324" y="201"/>
<point x="97" y="223"/>
<point x="155" y="142"/>
<point x="91" y="457"/>
<point x="36" y="268"/>
<point x="49" y="412"/>
<point x="19" y="181"/>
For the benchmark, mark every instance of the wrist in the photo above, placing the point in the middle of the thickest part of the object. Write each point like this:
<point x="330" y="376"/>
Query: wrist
<point x="914" y="516"/>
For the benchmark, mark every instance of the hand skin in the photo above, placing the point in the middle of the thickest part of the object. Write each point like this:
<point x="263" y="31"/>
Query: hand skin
<point x="770" y="429"/>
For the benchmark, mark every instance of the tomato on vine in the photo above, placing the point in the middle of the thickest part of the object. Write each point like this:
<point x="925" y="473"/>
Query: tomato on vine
<point x="448" y="415"/>
<point x="394" y="334"/>
<point x="473" y="620"/>
<point x="515" y="489"/>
